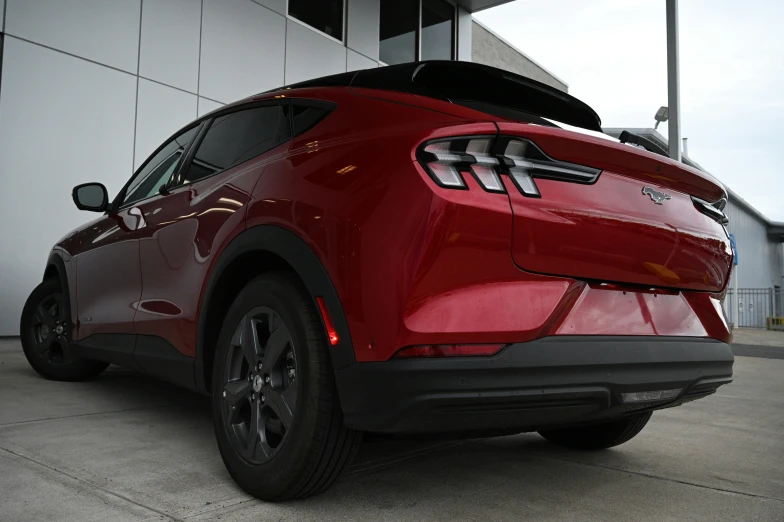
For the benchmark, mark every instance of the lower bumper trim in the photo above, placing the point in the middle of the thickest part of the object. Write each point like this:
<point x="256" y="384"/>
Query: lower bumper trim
<point x="529" y="386"/>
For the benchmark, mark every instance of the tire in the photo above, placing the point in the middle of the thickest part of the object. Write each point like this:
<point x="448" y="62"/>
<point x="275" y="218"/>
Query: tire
<point x="598" y="436"/>
<point x="45" y="328"/>
<point x="296" y="451"/>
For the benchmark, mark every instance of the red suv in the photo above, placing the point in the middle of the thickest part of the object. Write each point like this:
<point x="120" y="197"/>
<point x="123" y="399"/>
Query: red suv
<point x="421" y="248"/>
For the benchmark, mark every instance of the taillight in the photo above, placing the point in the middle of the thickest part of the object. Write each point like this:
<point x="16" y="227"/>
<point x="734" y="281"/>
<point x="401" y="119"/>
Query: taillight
<point x="712" y="210"/>
<point x="486" y="158"/>
<point x="450" y="350"/>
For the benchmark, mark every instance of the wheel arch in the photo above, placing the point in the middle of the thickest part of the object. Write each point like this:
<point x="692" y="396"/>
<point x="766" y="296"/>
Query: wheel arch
<point x="252" y="252"/>
<point x="55" y="267"/>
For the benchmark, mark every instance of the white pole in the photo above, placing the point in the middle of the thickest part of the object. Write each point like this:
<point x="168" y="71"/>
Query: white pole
<point x="673" y="82"/>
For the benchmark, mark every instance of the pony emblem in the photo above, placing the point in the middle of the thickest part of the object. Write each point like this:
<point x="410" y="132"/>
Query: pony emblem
<point x="657" y="197"/>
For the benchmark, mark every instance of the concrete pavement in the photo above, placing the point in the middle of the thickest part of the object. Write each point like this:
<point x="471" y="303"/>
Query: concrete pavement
<point x="758" y="343"/>
<point x="126" y="447"/>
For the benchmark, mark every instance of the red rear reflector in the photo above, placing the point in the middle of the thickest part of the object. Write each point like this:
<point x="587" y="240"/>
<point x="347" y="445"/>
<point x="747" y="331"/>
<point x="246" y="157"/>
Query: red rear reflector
<point x="450" y="350"/>
<point x="331" y="332"/>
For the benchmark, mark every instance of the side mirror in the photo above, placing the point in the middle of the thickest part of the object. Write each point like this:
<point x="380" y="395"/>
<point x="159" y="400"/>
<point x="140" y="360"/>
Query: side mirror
<point x="91" y="196"/>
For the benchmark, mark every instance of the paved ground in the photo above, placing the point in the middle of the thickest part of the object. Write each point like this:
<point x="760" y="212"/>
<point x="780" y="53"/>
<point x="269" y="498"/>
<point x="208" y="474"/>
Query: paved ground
<point x="758" y="343"/>
<point x="125" y="447"/>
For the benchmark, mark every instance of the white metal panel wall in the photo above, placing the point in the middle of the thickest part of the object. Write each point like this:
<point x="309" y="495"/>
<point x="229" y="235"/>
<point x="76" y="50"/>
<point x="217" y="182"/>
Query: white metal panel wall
<point x="106" y="31"/>
<point x="160" y="112"/>
<point x="169" y="52"/>
<point x="362" y="27"/>
<point x="91" y="87"/>
<point x="356" y="61"/>
<point x="760" y="259"/>
<point x="242" y="49"/>
<point x="309" y="54"/>
<point x="63" y="121"/>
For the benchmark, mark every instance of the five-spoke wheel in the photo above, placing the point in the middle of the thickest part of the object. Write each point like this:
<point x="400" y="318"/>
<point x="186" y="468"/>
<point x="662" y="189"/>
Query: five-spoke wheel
<point x="260" y="384"/>
<point x="45" y="331"/>
<point x="50" y="329"/>
<point x="277" y="417"/>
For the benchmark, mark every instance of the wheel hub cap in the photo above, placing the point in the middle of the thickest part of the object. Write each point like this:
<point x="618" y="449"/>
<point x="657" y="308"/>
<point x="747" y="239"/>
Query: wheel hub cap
<point x="257" y="383"/>
<point x="59" y="330"/>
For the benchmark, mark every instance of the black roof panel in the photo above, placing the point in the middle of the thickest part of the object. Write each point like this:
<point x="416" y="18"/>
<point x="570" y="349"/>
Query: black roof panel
<point x="458" y="82"/>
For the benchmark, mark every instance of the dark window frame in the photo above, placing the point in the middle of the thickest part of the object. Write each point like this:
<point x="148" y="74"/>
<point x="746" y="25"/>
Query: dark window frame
<point x="418" y="33"/>
<point x="453" y="35"/>
<point x="118" y="204"/>
<point x="344" y="23"/>
<point x="197" y="141"/>
<point x="204" y="122"/>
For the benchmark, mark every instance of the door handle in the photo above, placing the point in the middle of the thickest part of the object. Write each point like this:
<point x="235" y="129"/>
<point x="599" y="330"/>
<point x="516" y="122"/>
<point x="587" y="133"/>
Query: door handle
<point x="137" y="213"/>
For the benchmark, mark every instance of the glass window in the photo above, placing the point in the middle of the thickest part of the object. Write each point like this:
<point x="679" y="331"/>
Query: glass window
<point x="399" y="21"/>
<point x="324" y="15"/>
<point x="158" y="169"/>
<point x="437" y="30"/>
<point x="237" y="137"/>
<point x="305" y="117"/>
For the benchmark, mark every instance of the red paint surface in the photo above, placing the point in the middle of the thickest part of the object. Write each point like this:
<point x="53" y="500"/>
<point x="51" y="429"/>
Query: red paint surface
<point x="414" y="264"/>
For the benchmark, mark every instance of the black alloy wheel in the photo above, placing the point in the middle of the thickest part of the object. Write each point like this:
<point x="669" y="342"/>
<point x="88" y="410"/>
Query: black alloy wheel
<point x="275" y="406"/>
<point x="45" y="331"/>
<point x="260" y="385"/>
<point x="49" y="327"/>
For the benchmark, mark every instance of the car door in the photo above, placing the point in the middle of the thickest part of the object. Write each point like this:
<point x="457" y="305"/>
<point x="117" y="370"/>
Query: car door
<point x="108" y="272"/>
<point x="203" y="208"/>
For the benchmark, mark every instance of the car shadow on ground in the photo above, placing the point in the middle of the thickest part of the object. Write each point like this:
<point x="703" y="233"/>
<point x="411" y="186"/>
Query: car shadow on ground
<point x="386" y="474"/>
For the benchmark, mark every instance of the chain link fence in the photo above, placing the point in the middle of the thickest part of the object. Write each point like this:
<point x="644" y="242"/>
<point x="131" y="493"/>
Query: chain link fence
<point x="753" y="306"/>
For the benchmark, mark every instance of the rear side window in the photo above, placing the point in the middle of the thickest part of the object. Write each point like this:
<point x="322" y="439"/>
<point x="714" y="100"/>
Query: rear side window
<point x="237" y="137"/>
<point x="305" y="116"/>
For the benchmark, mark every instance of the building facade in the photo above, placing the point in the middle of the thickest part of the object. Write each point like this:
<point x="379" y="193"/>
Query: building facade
<point x="491" y="49"/>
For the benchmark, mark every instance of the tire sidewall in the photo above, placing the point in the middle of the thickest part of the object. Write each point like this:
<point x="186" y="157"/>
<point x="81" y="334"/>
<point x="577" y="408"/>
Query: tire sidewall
<point x="282" y="470"/>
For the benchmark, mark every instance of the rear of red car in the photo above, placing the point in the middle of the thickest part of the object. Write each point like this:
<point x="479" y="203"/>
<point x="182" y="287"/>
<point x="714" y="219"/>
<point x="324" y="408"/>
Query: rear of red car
<point x="517" y="275"/>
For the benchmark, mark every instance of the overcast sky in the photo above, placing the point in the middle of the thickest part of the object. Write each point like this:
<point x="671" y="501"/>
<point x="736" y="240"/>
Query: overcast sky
<point x="613" y="55"/>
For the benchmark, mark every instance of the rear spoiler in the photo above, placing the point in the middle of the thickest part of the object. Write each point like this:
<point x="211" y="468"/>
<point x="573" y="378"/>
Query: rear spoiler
<point x="459" y="82"/>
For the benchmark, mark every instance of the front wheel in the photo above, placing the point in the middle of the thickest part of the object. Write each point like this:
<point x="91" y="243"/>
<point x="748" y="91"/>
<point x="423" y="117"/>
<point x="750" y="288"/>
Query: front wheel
<point x="45" y="329"/>
<point x="598" y="436"/>
<point x="277" y="417"/>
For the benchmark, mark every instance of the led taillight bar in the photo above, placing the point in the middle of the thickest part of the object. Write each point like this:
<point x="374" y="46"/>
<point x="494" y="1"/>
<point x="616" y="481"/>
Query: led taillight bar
<point x="450" y="350"/>
<point x="486" y="158"/>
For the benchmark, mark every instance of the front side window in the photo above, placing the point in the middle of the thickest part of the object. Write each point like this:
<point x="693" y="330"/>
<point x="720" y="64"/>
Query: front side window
<point x="324" y="15"/>
<point x="438" y="18"/>
<point x="237" y="137"/>
<point x="399" y="21"/>
<point x="158" y="169"/>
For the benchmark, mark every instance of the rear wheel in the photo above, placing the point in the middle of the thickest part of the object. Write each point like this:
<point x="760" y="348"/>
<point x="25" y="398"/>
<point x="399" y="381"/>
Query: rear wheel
<point x="598" y="436"/>
<point x="277" y="418"/>
<point x="45" y="330"/>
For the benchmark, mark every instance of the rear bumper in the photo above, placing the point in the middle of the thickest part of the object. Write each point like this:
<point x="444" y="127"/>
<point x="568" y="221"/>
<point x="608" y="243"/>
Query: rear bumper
<point x="528" y="386"/>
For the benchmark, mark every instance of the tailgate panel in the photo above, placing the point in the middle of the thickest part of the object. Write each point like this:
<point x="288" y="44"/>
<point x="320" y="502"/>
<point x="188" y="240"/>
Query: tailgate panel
<point x="611" y="231"/>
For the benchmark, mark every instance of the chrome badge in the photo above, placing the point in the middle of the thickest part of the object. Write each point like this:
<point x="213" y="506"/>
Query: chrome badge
<point x="657" y="197"/>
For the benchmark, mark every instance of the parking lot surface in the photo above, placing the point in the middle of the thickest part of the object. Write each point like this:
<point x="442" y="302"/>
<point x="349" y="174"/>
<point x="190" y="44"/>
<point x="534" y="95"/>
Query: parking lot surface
<point x="126" y="447"/>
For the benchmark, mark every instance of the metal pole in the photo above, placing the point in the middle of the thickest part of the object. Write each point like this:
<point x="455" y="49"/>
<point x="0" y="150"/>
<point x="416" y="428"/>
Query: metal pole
<point x="673" y="82"/>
